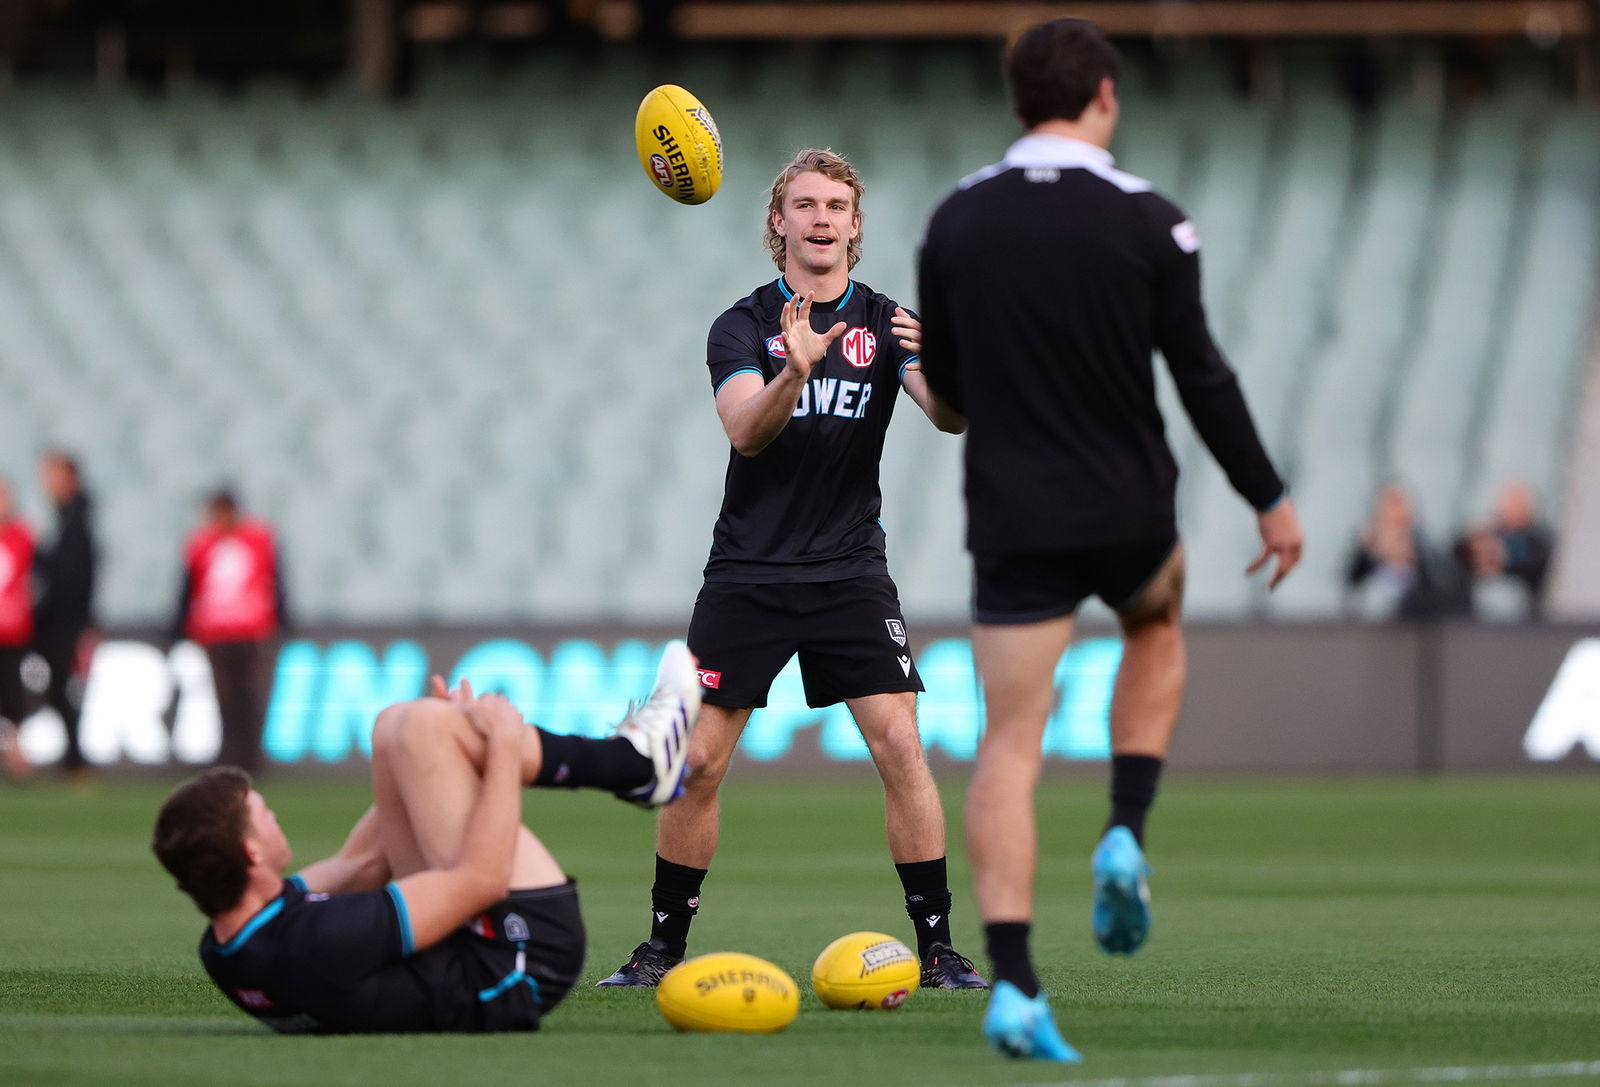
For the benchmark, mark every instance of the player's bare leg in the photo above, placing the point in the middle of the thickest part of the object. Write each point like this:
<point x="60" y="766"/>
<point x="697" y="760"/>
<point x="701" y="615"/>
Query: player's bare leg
<point x="1150" y="681"/>
<point x="912" y="812"/>
<point x="914" y="820"/>
<point x="687" y="831"/>
<point x="1144" y="712"/>
<point x="1017" y="664"/>
<point x="426" y="774"/>
<point x="686" y="841"/>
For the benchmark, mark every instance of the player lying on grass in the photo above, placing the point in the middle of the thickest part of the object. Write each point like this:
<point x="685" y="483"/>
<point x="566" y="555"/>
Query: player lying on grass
<point x="441" y="912"/>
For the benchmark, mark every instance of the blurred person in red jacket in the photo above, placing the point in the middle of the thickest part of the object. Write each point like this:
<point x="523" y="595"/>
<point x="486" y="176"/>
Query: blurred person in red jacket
<point x="16" y="625"/>
<point x="232" y="604"/>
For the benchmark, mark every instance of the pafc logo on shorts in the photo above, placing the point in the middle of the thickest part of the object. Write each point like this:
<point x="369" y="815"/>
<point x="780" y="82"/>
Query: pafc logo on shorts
<point x="897" y="631"/>
<point x="775" y="347"/>
<point x="860" y="347"/>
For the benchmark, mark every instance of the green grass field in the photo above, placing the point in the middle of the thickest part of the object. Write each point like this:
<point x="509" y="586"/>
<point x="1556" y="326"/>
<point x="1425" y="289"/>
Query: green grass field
<point x="1302" y="930"/>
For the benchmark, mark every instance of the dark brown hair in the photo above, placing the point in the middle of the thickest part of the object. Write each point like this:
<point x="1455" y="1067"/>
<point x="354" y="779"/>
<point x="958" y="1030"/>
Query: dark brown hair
<point x="1055" y="70"/>
<point x="829" y="164"/>
<point x="199" y="838"/>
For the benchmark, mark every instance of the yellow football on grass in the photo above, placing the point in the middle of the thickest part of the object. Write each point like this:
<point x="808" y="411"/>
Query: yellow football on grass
<point x="728" y="991"/>
<point x="679" y="146"/>
<point x="866" y="970"/>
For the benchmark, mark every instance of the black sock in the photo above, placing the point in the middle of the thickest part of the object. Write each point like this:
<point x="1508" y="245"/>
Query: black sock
<point x="927" y="889"/>
<point x="674" y="900"/>
<point x="1008" y="951"/>
<point x="1133" y="790"/>
<point x="578" y="762"/>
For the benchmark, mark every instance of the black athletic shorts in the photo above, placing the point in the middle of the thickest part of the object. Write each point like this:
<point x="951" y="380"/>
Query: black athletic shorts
<point x="1036" y="587"/>
<point x="850" y="635"/>
<point x="507" y="968"/>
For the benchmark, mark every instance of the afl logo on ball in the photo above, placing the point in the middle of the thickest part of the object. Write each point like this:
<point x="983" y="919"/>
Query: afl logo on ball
<point x="775" y="347"/>
<point x="860" y="347"/>
<point x="661" y="171"/>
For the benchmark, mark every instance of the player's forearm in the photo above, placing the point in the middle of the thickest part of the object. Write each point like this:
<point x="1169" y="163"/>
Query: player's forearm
<point x="491" y="836"/>
<point x="939" y="413"/>
<point x="754" y="424"/>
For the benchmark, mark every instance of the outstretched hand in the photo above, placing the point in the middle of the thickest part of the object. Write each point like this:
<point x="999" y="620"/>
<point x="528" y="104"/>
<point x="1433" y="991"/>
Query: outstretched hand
<point x="909" y="329"/>
<point x="803" y="346"/>
<point x="1281" y="536"/>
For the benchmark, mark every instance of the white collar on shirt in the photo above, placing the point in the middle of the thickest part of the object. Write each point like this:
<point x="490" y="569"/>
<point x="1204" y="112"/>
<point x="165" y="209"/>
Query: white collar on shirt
<point x="1062" y="152"/>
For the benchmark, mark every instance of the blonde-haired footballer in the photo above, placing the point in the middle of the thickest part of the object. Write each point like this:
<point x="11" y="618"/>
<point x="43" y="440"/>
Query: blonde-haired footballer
<point x="806" y="372"/>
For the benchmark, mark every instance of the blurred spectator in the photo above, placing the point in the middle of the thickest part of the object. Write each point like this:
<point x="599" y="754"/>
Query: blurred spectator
<point x="232" y="605"/>
<point x="1392" y="573"/>
<point x="64" y="614"/>
<point x="1508" y="557"/>
<point x="16" y="626"/>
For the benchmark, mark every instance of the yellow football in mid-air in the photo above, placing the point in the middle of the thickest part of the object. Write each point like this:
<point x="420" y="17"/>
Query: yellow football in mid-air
<point x="866" y="970"/>
<point x="728" y="991"/>
<point x="679" y="146"/>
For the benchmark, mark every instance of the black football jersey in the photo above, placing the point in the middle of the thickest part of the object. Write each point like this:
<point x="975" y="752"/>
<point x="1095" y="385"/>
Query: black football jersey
<point x="806" y="507"/>
<point x="344" y="964"/>
<point x="1046" y="283"/>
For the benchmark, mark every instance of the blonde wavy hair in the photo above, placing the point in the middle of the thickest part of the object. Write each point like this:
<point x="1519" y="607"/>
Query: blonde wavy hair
<point x="829" y="164"/>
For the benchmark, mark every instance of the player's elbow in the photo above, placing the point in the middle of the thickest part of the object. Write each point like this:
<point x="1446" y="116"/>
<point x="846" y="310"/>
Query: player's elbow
<point x="748" y="445"/>
<point x="951" y="423"/>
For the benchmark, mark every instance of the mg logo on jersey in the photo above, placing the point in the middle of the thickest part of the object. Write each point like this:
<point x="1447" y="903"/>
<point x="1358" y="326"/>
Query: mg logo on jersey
<point x="897" y="631"/>
<point x="662" y="172"/>
<point x="709" y="678"/>
<point x="775" y="348"/>
<point x="860" y="347"/>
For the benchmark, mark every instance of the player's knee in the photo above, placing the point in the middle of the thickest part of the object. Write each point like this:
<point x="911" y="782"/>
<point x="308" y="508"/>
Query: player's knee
<point x="899" y="747"/>
<point x="386" y="729"/>
<point x="414" y="729"/>
<point x="704" y="776"/>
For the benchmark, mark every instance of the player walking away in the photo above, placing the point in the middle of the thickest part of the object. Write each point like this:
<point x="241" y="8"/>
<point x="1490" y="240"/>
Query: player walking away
<point x="64" y="612"/>
<point x="1046" y="281"/>
<point x="16" y="627"/>
<point x="441" y="912"/>
<point x="806" y="372"/>
<point x="232" y="604"/>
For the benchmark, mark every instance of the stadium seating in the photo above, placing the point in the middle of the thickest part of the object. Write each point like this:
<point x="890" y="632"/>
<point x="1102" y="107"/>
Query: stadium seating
<point x="453" y="347"/>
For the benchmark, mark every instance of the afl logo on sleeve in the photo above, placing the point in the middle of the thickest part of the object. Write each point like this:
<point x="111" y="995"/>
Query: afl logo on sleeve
<point x="775" y="347"/>
<point x="860" y="347"/>
<point x="1187" y="237"/>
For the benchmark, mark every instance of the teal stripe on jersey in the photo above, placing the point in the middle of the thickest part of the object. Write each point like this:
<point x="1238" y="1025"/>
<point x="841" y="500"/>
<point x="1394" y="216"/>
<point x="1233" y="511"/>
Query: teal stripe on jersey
<point x="401" y="911"/>
<point x="736" y="373"/>
<point x="267" y="913"/>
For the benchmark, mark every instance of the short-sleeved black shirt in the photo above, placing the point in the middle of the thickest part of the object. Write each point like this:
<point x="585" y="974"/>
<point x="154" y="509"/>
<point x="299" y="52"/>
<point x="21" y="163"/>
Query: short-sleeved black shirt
<point x="344" y="964"/>
<point x="1046" y="282"/>
<point x="806" y="507"/>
